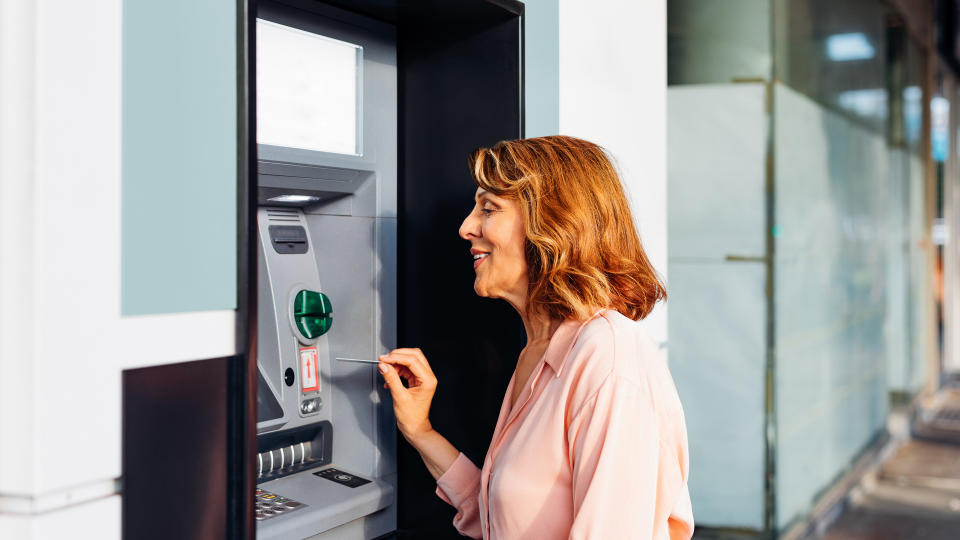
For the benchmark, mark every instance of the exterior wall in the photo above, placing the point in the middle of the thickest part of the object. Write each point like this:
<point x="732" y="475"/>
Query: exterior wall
<point x="63" y="338"/>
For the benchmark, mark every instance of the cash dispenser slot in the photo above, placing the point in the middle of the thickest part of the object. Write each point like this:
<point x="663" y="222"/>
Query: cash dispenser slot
<point x="301" y="492"/>
<point x="289" y="452"/>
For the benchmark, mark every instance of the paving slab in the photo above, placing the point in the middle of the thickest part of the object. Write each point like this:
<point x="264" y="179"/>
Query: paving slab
<point x="885" y="524"/>
<point x="925" y="464"/>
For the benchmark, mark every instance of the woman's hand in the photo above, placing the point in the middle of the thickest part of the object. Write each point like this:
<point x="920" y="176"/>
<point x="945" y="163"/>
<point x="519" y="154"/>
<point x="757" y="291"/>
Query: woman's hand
<point x="411" y="404"/>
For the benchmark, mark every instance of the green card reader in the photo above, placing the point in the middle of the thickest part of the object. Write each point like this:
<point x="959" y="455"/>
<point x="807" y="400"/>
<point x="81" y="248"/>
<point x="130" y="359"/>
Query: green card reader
<point x="312" y="314"/>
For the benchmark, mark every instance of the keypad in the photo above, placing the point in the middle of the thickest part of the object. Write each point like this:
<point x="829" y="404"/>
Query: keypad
<point x="268" y="505"/>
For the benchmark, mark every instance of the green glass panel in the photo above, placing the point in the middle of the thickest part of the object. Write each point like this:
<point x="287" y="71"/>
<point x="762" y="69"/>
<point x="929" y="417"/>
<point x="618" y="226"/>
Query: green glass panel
<point x="313" y="313"/>
<point x="179" y="204"/>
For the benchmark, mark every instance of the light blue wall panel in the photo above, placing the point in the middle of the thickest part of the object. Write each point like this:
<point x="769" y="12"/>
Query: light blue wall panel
<point x="715" y="197"/>
<point x="179" y="156"/>
<point x="831" y="296"/>
<point x="542" y="65"/>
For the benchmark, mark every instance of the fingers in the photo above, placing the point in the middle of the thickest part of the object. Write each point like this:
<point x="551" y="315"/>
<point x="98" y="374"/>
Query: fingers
<point x="407" y="375"/>
<point x="404" y="359"/>
<point x="399" y="364"/>
<point x="418" y="356"/>
<point x="415" y="363"/>
<point x="407" y="363"/>
<point x="393" y="382"/>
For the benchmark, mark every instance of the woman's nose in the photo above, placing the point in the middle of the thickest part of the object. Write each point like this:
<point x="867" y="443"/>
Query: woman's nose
<point x="470" y="227"/>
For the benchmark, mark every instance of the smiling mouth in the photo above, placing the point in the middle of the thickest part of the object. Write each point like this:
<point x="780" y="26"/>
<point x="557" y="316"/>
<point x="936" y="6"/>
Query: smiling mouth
<point x="479" y="258"/>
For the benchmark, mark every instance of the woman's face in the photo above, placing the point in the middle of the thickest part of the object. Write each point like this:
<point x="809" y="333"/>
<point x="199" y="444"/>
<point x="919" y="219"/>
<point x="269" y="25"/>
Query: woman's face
<point x="495" y="231"/>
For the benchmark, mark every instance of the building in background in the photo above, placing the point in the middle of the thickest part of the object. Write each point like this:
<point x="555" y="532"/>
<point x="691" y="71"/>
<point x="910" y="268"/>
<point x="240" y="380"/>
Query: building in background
<point x="812" y="223"/>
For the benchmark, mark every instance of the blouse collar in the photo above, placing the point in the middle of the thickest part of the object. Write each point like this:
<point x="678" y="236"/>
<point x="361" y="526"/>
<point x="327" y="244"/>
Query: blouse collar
<point x="563" y="340"/>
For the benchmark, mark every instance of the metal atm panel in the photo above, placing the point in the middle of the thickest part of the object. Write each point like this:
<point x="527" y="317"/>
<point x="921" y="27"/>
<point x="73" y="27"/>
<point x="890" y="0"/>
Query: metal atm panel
<point x="308" y="483"/>
<point x="293" y="365"/>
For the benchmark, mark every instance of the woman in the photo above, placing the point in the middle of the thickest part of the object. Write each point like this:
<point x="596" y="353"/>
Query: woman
<point x="591" y="441"/>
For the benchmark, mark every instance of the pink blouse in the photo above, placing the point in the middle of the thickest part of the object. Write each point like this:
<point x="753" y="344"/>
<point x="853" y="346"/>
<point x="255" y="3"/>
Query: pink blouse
<point x="595" y="446"/>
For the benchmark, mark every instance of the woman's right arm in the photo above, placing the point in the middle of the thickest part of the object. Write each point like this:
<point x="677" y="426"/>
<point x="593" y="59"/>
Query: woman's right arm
<point x="437" y="453"/>
<point x="458" y="479"/>
<point x="411" y="405"/>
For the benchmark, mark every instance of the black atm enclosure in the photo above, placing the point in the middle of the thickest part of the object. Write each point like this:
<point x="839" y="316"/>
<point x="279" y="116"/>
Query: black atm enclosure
<point x="460" y="86"/>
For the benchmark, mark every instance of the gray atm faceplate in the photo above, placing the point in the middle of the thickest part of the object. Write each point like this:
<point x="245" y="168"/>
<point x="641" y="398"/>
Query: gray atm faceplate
<point x="283" y="275"/>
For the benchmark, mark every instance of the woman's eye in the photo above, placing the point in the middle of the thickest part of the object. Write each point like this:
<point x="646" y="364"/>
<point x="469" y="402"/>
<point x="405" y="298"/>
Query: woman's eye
<point x="486" y="211"/>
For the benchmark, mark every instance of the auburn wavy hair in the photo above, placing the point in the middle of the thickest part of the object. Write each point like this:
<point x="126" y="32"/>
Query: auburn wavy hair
<point x="583" y="251"/>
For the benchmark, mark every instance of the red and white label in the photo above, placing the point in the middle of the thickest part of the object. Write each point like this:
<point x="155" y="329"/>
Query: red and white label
<point x="309" y="378"/>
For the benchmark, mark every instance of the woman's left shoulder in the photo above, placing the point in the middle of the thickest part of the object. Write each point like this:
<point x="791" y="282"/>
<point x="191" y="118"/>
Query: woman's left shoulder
<point x="613" y="345"/>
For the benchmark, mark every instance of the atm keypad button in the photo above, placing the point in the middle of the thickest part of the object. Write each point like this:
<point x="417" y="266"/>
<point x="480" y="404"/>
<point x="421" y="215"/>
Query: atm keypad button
<point x="269" y="505"/>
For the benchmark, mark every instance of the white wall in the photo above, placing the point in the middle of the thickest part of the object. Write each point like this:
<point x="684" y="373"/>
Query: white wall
<point x="63" y="340"/>
<point x="613" y="91"/>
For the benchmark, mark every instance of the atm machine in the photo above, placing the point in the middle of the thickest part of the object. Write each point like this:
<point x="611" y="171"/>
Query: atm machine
<point x="350" y="140"/>
<point x="326" y="223"/>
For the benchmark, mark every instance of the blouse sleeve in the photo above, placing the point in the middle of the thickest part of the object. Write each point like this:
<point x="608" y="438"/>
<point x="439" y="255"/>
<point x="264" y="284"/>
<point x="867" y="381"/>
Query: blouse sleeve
<point x="623" y="484"/>
<point x="459" y="487"/>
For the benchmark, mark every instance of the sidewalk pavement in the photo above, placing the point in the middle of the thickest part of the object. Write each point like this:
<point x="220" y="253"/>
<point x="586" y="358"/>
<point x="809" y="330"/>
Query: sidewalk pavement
<point x="915" y="494"/>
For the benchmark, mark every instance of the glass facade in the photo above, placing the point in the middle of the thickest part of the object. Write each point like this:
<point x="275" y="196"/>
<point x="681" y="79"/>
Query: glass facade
<point x="716" y="144"/>
<point x="799" y="259"/>
<point x="836" y="54"/>
<point x="718" y="42"/>
<point x="947" y="291"/>
<point x="830" y="293"/>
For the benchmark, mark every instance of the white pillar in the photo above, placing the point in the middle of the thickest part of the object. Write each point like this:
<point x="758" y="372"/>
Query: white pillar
<point x="613" y="91"/>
